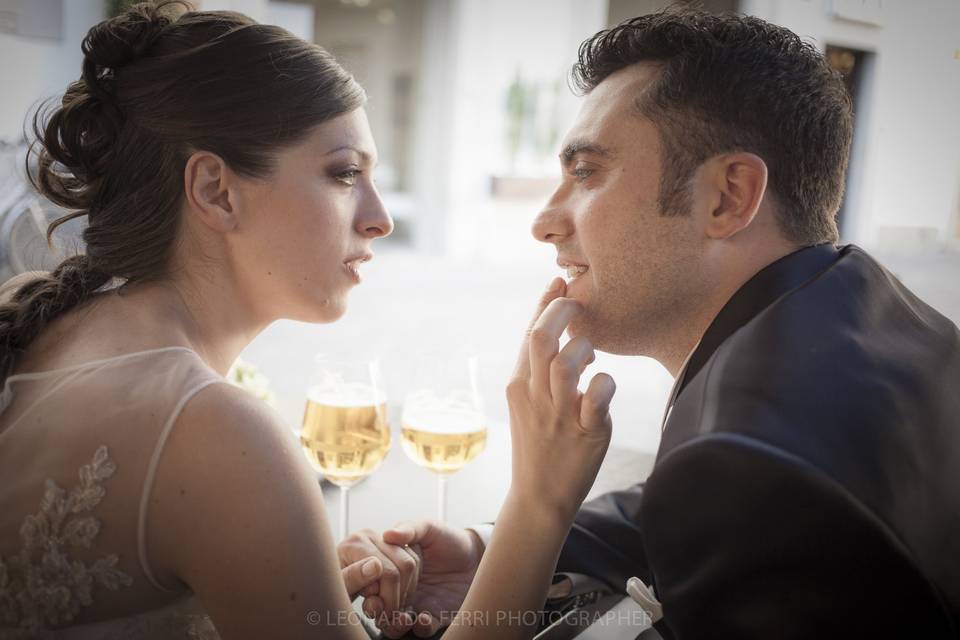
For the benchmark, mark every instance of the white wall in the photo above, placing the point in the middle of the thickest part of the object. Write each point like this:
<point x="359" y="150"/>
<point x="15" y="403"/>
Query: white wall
<point x="377" y="51"/>
<point x="906" y="170"/>
<point x="491" y="40"/>
<point x="297" y="18"/>
<point x="25" y="76"/>
<point x="256" y="9"/>
<point x="36" y="68"/>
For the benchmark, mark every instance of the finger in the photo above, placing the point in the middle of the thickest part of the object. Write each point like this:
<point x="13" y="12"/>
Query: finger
<point x="425" y="625"/>
<point x="565" y="370"/>
<point x="357" y="546"/>
<point x="408" y="565"/>
<point x="545" y="340"/>
<point x="388" y="586"/>
<point x="360" y="574"/>
<point x="373" y="607"/>
<point x="414" y="574"/>
<point x="595" y="405"/>
<point x="371" y="589"/>
<point x="410" y="533"/>
<point x="555" y="289"/>
<point x="398" y="624"/>
<point x="391" y="586"/>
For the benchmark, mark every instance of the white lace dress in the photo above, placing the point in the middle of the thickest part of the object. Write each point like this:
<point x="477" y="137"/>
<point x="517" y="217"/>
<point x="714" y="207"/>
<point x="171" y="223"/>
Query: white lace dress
<point x="79" y="448"/>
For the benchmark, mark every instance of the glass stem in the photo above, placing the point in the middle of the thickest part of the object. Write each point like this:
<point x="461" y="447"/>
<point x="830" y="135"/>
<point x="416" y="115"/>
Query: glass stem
<point x="442" y="497"/>
<point x="344" y="511"/>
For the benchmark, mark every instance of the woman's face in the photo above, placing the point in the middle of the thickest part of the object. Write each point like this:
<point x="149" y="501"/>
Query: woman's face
<point x="308" y="228"/>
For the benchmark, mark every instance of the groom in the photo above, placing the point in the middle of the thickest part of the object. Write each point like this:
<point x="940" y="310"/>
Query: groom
<point x="807" y="483"/>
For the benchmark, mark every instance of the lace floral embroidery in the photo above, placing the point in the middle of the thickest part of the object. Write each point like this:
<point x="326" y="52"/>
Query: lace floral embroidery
<point x="42" y="586"/>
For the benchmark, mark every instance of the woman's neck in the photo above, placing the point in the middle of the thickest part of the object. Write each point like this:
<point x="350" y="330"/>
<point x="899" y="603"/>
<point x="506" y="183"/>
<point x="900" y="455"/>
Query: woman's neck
<point x="208" y="318"/>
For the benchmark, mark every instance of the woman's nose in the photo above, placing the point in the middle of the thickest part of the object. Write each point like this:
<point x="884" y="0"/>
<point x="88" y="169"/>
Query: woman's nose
<point x="374" y="220"/>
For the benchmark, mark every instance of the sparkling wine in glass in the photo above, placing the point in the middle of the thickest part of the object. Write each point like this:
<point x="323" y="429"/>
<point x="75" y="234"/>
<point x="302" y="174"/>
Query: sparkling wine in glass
<point x="345" y="433"/>
<point x="443" y="425"/>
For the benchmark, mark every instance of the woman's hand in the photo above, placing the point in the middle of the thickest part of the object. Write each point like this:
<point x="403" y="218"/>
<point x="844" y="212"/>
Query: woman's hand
<point x="385" y="599"/>
<point x="361" y="574"/>
<point x="560" y="435"/>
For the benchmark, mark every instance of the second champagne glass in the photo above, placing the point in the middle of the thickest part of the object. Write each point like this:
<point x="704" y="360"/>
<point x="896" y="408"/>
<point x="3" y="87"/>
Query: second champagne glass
<point x="345" y="433"/>
<point x="443" y="425"/>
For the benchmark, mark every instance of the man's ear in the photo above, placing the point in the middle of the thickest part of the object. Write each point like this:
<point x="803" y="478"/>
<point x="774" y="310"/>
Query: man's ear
<point x="209" y="188"/>
<point x="735" y="183"/>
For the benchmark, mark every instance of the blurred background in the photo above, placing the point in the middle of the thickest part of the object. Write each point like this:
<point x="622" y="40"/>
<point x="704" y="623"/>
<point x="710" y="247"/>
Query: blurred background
<point x="468" y="104"/>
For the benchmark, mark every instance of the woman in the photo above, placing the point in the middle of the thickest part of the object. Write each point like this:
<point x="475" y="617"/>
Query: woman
<point x="225" y="170"/>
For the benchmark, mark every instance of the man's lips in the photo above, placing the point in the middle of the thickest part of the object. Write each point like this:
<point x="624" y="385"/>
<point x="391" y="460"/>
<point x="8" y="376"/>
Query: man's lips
<point x="572" y="267"/>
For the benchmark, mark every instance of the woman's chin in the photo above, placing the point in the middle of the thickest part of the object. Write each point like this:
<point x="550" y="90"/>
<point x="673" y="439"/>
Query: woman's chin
<point x="322" y="311"/>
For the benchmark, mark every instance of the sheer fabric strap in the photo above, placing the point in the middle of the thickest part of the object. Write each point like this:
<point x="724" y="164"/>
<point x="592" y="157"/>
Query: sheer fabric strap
<point x="151" y="472"/>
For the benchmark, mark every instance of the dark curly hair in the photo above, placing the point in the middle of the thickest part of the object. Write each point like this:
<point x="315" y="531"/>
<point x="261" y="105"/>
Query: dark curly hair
<point x="737" y="83"/>
<point x="158" y="82"/>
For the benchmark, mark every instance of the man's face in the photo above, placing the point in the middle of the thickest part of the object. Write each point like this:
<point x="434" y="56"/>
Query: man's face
<point x="642" y="269"/>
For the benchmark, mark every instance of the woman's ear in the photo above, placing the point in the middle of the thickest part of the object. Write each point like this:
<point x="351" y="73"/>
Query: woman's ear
<point x="735" y="184"/>
<point x="209" y="186"/>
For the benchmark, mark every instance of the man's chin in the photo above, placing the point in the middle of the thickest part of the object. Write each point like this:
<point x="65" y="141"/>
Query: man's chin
<point x="582" y="327"/>
<point x="602" y="337"/>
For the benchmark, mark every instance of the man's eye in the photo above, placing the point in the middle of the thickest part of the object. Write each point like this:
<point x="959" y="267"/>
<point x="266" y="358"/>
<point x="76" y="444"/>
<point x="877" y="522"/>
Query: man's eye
<point x="581" y="172"/>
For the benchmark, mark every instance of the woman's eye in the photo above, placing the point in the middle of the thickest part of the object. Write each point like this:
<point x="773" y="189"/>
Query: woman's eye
<point x="348" y="177"/>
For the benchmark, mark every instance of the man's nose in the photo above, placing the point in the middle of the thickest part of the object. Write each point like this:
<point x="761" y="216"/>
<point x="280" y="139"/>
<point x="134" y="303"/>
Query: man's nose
<point x="552" y="224"/>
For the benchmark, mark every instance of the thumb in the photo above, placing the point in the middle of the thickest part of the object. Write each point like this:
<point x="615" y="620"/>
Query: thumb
<point x="408" y="533"/>
<point x="360" y="574"/>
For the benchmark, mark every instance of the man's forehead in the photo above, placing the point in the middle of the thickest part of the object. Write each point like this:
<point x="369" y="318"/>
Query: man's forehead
<point x="609" y="111"/>
<point x="626" y="83"/>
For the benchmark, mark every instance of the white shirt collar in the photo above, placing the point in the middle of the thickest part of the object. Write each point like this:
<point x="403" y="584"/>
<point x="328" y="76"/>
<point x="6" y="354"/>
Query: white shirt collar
<point x="676" y="387"/>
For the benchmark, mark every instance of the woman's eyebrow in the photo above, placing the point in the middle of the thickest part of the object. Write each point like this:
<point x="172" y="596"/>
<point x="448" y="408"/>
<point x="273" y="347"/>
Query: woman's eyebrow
<point x="347" y="147"/>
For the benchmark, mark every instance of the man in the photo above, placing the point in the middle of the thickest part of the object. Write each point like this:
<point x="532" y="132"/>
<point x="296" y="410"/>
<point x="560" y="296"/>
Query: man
<point x="808" y="478"/>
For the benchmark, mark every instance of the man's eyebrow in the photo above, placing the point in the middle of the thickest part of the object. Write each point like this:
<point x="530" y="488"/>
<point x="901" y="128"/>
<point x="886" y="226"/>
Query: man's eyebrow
<point x="577" y="147"/>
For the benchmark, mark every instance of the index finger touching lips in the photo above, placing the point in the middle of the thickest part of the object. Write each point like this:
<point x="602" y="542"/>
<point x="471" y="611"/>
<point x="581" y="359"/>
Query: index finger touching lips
<point x="557" y="288"/>
<point x="545" y="339"/>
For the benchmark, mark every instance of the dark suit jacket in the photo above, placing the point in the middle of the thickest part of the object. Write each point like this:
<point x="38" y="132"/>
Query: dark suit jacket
<point x="808" y="481"/>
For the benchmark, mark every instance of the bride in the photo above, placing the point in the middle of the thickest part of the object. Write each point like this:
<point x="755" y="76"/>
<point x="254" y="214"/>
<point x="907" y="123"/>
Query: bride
<point x="224" y="168"/>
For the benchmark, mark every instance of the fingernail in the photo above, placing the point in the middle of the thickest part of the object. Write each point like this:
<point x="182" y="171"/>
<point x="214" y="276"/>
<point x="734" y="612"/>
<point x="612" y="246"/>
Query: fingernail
<point x="555" y="285"/>
<point x="369" y="568"/>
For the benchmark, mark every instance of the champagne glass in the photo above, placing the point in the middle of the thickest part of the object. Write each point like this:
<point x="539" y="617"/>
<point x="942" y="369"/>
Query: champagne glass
<point x="345" y="433"/>
<point x="443" y="424"/>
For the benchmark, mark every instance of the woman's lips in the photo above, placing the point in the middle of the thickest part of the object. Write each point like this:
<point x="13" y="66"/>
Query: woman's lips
<point x="353" y="271"/>
<point x="352" y="266"/>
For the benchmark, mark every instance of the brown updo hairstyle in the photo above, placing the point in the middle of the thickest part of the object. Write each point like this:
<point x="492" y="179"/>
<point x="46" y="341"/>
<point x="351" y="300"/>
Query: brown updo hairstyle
<point x="159" y="82"/>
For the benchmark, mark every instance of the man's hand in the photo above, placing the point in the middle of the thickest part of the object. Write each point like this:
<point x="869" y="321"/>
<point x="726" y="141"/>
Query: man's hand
<point x="448" y="557"/>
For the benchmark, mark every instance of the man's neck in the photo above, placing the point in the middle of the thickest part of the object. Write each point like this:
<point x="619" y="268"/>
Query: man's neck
<point x="679" y="346"/>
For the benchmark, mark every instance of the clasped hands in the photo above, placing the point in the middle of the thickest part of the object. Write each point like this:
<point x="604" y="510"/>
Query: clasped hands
<point x="427" y="569"/>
